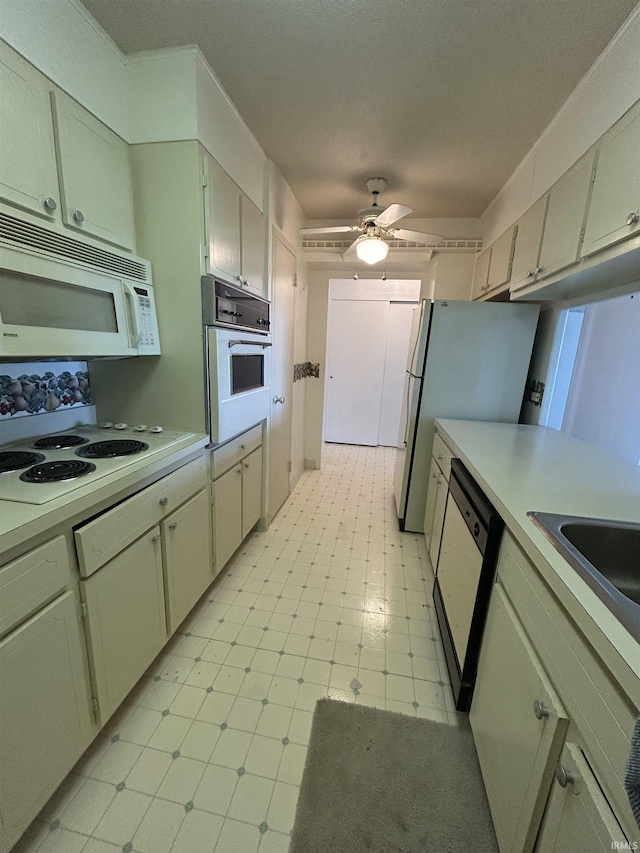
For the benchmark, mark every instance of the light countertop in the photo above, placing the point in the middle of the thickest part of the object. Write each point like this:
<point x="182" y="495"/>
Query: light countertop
<point x="527" y="468"/>
<point x="21" y="522"/>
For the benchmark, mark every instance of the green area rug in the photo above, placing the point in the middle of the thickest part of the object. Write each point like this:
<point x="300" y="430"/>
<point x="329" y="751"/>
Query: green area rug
<point x="376" y="781"/>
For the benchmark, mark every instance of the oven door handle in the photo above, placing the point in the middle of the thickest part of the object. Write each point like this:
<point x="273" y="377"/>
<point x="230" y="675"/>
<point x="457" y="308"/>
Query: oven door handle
<point x="238" y="342"/>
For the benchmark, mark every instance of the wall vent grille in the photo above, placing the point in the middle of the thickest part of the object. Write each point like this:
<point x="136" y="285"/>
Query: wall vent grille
<point x="59" y="246"/>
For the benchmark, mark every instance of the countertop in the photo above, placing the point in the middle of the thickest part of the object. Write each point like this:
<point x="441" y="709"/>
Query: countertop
<point x="528" y="468"/>
<point x="20" y="522"/>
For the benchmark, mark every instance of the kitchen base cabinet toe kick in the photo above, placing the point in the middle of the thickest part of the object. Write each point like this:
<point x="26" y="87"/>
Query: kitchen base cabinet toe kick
<point x="72" y="648"/>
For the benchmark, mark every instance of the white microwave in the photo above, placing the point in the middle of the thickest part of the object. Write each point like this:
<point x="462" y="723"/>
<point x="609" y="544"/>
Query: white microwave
<point x="55" y="307"/>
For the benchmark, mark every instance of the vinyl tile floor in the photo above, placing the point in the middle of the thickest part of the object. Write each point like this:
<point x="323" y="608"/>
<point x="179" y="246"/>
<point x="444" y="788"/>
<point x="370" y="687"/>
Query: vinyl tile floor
<point x="208" y="750"/>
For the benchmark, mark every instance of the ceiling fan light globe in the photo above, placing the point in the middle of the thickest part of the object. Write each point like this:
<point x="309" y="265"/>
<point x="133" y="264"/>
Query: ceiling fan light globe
<point x="371" y="250"/>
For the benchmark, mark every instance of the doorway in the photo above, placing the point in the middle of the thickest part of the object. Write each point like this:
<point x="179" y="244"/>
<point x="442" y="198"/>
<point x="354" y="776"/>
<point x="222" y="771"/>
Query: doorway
<point x="368" y="334"/>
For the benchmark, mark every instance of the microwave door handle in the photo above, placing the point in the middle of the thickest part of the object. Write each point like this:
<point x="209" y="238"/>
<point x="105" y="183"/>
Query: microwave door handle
<point x="133" y="311"/>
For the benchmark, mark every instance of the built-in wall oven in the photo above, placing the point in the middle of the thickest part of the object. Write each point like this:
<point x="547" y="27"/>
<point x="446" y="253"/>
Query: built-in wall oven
<point x="237" y="357"/>
<point x="466" y="566"/>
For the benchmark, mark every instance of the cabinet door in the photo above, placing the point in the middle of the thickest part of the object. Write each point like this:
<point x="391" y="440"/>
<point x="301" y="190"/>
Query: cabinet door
<point x="187" y="557"/>
<point x="517" y="750"/>
<point x="481" y="274"/>
<point x="438" y="519"/>
<point x="94" y="173"/>
<point x="251" y="490"/>
<point x="561" y="239"/>
<point x="578" y="817"/>
<point x="500" y="264"/>
<point x="252" y="247"/>
<point x="227" y="513"/>
<point x="527" y="248"/>
<point x="616" y="190"/>
<point x="28" y="161"/>
<point x="432" y="491"/>
<point x="45" y="722"/>
<point x="222" y="218"/>
<point x="126" y="619"/>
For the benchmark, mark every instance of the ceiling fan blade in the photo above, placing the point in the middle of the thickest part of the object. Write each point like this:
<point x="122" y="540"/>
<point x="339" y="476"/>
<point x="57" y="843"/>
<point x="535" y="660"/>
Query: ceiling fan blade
<point x="351" y="250"/>
<point x="414" y="236"/>
<point x="392" y="214"/>
<point x="330" y="229"/>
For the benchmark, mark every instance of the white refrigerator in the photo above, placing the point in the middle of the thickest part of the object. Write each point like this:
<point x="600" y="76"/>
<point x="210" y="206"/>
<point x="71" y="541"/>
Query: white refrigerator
<point x="467" y="360"/>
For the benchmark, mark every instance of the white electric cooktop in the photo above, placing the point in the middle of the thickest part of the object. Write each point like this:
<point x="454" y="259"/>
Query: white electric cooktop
<point x="43" y="468"/>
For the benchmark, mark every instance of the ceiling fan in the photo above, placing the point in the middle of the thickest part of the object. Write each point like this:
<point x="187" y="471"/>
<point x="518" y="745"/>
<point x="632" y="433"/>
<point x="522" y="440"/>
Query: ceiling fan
<point x="374" y="225"/>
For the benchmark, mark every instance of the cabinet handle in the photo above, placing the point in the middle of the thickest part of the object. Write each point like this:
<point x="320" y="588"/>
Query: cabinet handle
<point x="540" y="710"/>
<point x="163" y="501"/>
<point x="632" y="218"/>
<point x="173" y="525"/>
<point x="50" y="203"/>
<point x="78" y="215"/>
<point x="563" y="776"/>
<point x="155" y="539"/>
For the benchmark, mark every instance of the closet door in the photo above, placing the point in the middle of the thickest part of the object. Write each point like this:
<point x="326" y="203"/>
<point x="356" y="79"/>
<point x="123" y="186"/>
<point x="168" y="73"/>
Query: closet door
<point x="357" y="335"/>
<point x="395" y="365"/>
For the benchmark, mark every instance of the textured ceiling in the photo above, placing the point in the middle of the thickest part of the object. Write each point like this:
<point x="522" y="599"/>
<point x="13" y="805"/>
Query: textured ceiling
<point x="441" y="97"/>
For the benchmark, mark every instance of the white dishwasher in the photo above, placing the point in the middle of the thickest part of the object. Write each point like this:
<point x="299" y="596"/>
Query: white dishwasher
<point x="466" y="566"/>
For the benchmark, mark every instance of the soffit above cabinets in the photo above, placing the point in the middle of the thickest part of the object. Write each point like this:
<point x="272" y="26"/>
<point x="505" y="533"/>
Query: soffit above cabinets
<point x="442" y="98"/>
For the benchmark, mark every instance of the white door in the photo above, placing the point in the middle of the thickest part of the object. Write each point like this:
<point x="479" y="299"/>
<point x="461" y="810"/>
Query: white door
<point x="357" y="333"/>
<point x="395" y="362"/>
<point x="284" y="277"/>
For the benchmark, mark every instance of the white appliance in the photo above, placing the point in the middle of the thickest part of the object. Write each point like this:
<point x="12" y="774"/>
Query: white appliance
<point x="41" y="469"/>
<point x="62" y="297"/>
<point x="467" y="360"/>
<point x="238" y="358"/>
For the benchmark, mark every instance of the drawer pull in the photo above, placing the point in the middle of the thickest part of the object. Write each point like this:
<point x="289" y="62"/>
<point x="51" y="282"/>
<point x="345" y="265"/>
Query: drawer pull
<point x="540" y="710"/>
<point x="173" y="525"/>
<point x="564" y="777"/>
<point x="163" y="501"/>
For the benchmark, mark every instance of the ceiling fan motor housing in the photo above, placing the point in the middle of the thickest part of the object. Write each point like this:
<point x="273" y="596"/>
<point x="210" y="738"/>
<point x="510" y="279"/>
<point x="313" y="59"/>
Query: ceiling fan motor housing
<point x="376" y="185"/>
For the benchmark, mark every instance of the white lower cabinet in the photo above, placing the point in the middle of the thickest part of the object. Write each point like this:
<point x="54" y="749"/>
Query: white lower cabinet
<point x="186" y="541"/>
<point x="437" y="492"/>
<point x="237" y="492"/>
<point x="578" y="818"/>
<point x="45" y="717"/>
<point x="518" y="724"/>
<point x="126" y="623"/>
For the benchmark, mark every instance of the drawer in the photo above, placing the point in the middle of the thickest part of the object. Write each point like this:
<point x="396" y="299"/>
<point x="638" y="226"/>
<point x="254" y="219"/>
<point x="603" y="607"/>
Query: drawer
<point x="442" y="454"/>
<point x="233" y="451"/>
<point x="30" y="581"/>
<point x="105" y="536"/>
<point x="603" y="714"/>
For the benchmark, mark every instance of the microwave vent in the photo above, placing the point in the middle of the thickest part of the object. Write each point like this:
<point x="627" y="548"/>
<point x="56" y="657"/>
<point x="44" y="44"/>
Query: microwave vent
<point x="59" y="246"/>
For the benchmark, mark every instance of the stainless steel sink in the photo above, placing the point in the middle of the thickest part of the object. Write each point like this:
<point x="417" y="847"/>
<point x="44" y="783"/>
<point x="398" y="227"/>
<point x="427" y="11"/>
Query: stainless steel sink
<point x="606" y="554"/>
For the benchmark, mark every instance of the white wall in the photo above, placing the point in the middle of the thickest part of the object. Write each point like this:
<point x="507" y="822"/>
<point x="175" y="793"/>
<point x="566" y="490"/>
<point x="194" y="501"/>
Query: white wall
<point x="606" y="92"/>
<point x="62" y="39"/>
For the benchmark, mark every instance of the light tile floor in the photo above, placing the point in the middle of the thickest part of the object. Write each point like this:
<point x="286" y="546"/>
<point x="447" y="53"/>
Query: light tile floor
<point x="207" y="752"/>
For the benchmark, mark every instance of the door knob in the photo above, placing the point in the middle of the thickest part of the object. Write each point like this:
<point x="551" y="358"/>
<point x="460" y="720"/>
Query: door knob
<point x="278" y="399"/>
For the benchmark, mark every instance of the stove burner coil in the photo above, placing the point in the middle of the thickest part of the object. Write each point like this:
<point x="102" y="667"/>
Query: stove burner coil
<point x="112" y="447"/>
<point x="55" y="472"/>
<point x="13" y="460"/>
<point x="57" y="442"/>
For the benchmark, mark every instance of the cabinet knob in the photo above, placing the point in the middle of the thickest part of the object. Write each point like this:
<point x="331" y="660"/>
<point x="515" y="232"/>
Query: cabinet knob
<point x="540" y="710"/>
<point x="530" y="274"/>
<point x="243" y="447"/>
<point x="155" y="539"/>
<point x="173" y="525"/>
<point x="78" y="215"/>
<point x="238" y="470"/>
<point x="163" y="501"/>
<point x="537" y="271"/>
<point x="632" y="218"/>
<point x="564" y="777"/>
<point x="246" y="464"/>
<point x="50" y="203"/>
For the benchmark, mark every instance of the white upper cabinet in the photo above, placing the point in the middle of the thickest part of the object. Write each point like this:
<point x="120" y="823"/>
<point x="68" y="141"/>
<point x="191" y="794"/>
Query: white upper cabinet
<point x="27" y="155"/>
<point x="500" y="264"/>
<point x="252" y="235"/>
<point x="94" y="173"/>
<point x="481" y="274"/>
<point x="563" y="228"/>
<point x="524" y="267"/>
<point x="234" y="229"/>
<point x="614" y="212"/>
